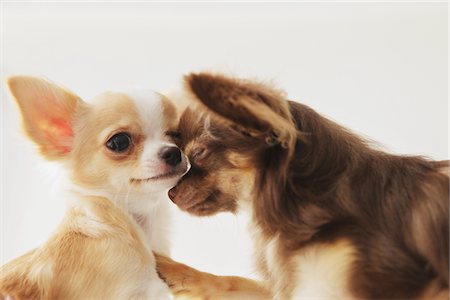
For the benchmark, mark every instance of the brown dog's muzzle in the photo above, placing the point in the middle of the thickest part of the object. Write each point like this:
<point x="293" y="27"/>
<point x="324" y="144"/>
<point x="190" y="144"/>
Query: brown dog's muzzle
<point x="186" y="195"/>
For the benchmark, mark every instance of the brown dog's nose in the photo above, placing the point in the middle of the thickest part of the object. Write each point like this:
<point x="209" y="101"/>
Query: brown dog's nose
<point x="171" y="155"/>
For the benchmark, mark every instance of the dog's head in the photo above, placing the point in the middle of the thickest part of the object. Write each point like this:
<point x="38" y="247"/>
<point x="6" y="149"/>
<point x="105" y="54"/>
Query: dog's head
<point x="121" y="143"/>
<point x="239" y="146"/>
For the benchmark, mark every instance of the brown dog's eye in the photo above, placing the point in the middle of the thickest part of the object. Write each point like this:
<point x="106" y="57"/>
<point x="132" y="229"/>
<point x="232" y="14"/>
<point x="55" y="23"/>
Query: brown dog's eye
<point x="119" y="142"/>
<point x="198" y="153"/>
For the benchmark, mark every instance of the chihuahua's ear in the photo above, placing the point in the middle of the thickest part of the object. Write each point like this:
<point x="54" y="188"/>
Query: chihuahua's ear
<point x="259" y="109"/>
<point x="48" y="113"/>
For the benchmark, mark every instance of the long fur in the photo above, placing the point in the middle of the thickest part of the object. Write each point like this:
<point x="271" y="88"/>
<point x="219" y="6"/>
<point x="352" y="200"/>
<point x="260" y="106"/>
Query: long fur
<point x="316" y="186"/>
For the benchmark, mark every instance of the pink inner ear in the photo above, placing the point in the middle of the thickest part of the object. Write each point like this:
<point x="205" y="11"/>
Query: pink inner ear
<point x="58" y="133"/>
<point x="64" y="129"/>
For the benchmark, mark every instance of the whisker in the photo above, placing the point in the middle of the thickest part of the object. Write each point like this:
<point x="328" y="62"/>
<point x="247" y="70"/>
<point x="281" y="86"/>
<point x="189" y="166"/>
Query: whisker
<point x="126" y="199"/>
<point x="117" y="193"/>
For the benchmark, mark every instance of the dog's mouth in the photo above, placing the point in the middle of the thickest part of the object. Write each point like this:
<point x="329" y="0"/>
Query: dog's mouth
<point x="194" y="203"/>
<point x="168" y="175"/>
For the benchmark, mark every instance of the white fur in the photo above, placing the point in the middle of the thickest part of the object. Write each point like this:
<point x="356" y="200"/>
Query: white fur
<point x="322" y="272"/>
<point x="148" y="104"/>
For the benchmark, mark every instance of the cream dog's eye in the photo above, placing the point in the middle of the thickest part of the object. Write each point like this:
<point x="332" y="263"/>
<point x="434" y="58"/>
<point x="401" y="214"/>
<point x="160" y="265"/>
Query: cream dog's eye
<point x="119" y="142"/>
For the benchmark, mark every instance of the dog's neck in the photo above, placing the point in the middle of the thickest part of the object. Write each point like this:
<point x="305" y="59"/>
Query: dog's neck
<point x="323" y="154"/>
<point x="150" y="211"/>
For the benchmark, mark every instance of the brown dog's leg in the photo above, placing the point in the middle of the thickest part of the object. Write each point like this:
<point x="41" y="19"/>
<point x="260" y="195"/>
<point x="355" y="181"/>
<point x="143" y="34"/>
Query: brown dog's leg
<point x="189" y="283"/>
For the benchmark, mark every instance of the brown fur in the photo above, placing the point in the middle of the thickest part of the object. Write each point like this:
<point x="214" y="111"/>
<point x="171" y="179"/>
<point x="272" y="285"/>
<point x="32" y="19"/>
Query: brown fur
<point x="311" y="183"/>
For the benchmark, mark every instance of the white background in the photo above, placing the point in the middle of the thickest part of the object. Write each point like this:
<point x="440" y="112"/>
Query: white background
<point x="380" y="69"/>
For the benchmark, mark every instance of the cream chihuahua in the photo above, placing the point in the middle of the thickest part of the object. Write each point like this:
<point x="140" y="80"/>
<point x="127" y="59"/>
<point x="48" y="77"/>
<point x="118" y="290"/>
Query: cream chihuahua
<point x="121" y="161"/>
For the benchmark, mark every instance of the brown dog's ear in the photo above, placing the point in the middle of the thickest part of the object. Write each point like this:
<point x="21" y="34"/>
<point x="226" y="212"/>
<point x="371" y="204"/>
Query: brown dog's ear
<point x="257" y="108"/>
